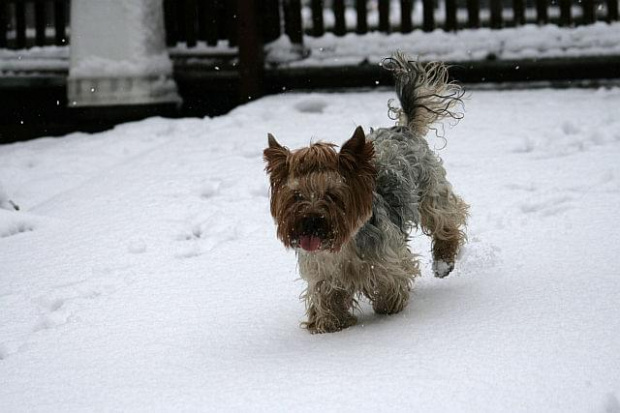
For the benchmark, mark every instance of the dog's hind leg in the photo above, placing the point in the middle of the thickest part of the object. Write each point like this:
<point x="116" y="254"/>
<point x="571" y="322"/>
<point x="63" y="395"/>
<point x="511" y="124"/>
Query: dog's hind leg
<point x="444" y="216"/>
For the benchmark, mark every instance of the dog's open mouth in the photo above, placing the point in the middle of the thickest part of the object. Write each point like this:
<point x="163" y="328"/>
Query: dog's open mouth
<point x="310" y="243"/>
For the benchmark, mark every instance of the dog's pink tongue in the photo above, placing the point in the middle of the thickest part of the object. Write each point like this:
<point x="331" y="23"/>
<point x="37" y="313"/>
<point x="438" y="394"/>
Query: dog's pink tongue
<point x="310" y="242"/>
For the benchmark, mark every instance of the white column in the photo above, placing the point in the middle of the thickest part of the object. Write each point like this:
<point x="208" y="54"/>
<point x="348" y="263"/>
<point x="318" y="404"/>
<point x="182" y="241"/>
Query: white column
<point x="118" y="54"/>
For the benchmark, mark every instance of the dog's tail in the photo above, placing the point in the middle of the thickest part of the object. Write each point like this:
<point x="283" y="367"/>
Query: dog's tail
<point x="425" y="93"/>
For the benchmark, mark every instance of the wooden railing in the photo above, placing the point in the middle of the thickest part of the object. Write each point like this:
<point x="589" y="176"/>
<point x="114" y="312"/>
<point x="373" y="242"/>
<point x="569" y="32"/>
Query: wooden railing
<point x="457" y="14"/>
<point x="210" y="21"/>
<point x="28" y="23"/>
<point x="188" y="21"/>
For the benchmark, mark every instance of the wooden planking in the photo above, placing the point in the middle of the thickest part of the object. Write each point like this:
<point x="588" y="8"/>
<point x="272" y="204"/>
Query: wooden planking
<point x="170" y="22"/>
<point x="232" y="22"/>
<point x="269" y="19"/>
<point x="202" y="18"/>
<point x="3" y="24"/>
<point x="39" y="23"/>
<point x="496" y="14"/>
<point x="251" y="57"/>
<point x="450" y="24"/>
<point x="340" y="28"/>
<point x="565" y="13"/>
<point x="406" y="8"/>
<point x="518" y="7"/>
<point x="542" y="16"/>
<point x="384" y="16"/>
<point x="318" y="25"/>
<point x="208" y="16"/>
<point x="612" y="11"/>
<point x="20" y="25"/>
<point x="362" y="17"/>
<point x="293" y="23"/>
<point x="588" y="11"/>
<point x="210" y="20"/>
<point x="473" y="14"/>
<point x="190" y="22"/>
<point x="428" y="22"/>
<point x="60" y="23"/>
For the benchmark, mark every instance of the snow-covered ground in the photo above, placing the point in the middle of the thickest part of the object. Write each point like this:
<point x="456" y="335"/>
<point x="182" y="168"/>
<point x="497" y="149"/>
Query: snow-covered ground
<point x="142" y="272"/>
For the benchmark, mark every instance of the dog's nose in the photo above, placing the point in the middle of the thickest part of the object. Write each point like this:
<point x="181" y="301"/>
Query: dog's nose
<point x="314" y="225"/>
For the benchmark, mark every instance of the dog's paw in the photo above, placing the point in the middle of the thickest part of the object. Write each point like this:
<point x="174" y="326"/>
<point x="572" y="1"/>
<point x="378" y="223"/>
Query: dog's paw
<point x="442" y="268"/>
<point x="329" y="324"/>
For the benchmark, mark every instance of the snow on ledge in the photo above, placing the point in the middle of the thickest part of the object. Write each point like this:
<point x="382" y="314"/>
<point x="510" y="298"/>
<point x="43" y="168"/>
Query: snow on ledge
<point x="98" y="67"/>
<point x="526" y="42"/>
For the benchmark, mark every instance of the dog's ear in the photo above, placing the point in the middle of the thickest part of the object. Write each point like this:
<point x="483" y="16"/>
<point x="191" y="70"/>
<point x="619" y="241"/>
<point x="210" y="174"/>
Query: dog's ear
<point x="276" y="157"/>
<point x="356" y="154"/>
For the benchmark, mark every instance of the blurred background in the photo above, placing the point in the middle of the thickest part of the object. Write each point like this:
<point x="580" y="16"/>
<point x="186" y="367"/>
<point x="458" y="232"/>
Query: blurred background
<point x="86" y="65"/>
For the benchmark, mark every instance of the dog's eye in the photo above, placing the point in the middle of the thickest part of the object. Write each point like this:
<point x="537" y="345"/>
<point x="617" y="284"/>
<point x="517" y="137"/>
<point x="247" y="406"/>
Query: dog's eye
<point x="330" y="197"/>
<point x="297" y="196"/>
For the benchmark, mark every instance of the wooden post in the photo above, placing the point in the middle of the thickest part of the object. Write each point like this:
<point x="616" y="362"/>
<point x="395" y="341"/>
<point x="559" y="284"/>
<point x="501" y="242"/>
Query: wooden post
<point x="473" y="14"/>
<point x="612" y="11"/>
<point x="209" y="18"/>
<point x="428" y="24"/>
<point x="232" y="19"/>
<point x="269" y="15"/>
<point x="496" y="14"/>
<point x="518" y="7"/>
<point x="179" y="20"/>
<point x="39" y="23"/>
<point x="362" y="17"/>
<point x="565" y="13"/>
<point x="405" y="16"/>
<point x="170" y="23"/>
<point x="3" y="22"/>
<point x="384" y="16"/>
<point x="190" y="18"/>
<point x="451" y="24"/>
<point x="542" y="17"/>
<point x="20" y="24"/>
<point x="251" y="57"/>
<point x="60" y="22"/>
<point x="292" y="21"/>
<point x="201" y="19"/>
<point x="318" y="26"/>
<point x="588" y="11"/>
<point x="340" y="28"/>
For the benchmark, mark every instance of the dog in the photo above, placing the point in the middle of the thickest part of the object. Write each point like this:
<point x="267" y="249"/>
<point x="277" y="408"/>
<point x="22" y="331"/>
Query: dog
<point x="348" y="214"/>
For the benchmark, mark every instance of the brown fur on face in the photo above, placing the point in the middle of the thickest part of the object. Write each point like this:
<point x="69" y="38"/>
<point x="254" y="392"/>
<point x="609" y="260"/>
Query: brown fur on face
<point x="318" y="190"/>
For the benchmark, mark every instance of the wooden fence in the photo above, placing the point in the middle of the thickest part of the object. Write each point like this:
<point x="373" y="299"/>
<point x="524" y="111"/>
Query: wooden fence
<point x="188" y="21"/>
<point x="241" y="27"/>
<point x="28" y="23"/>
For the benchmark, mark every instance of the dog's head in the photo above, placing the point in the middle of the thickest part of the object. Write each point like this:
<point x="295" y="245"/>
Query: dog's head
<point x="320" y="197"/>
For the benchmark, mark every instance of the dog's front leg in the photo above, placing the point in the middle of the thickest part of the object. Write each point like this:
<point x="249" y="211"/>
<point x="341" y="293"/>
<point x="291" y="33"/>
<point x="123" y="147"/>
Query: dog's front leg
<point x="328" y="308"/>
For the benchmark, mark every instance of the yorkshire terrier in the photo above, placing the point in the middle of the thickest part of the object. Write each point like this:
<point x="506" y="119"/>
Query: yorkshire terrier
<point x="348" y="214"/>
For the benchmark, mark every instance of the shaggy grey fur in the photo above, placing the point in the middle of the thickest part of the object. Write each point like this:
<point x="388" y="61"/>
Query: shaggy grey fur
<point x="411" y="192"/>
<point x="407" y="169"/>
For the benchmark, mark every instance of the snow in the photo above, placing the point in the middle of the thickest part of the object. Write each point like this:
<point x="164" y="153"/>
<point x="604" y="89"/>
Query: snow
<point x="48" y="58"/>
<point x="142" y="272"/>
<point x="525" y="42"/>
<point x="119" y="39"/>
